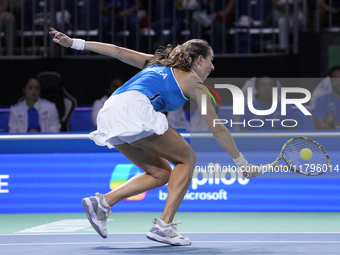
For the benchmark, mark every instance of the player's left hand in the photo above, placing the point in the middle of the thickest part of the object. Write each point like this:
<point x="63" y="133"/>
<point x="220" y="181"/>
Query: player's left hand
<point x="61" y="38"/>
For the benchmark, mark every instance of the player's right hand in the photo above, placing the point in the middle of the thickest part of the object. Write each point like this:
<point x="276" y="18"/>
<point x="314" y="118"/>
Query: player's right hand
<point x="61" y="38"/>
<point x="251" y="171"/>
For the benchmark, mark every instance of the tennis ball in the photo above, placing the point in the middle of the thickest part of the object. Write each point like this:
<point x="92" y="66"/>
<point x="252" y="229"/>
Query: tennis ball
<point x="306" y="154"/>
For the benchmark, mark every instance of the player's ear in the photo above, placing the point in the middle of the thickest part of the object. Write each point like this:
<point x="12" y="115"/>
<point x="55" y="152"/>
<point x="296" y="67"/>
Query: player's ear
<point x="200" y="60"/>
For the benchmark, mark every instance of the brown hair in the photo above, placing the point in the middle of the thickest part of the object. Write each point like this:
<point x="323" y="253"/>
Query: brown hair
<point x="181" y="57"/>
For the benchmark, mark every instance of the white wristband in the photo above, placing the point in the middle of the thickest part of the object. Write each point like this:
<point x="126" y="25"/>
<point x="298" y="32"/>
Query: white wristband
<point x="78" y="44"/>
<point x="241" y="161"/>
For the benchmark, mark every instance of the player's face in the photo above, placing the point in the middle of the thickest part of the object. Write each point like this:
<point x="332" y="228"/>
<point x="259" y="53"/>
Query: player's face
<point x="206" y="67"/>
<point x="336" y="81"/>
<point x="32" y="90"/>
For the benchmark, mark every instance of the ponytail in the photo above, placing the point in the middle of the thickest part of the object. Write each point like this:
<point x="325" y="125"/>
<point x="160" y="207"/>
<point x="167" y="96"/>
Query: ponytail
<point x="182" y="57"/>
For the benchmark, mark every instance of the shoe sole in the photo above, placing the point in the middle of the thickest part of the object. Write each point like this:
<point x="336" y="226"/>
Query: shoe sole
<point x="156" y="238"/>
<point x="90" y="213"/>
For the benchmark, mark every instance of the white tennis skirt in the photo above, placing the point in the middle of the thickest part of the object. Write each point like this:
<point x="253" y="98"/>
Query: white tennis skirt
<point x="126" y="118"/>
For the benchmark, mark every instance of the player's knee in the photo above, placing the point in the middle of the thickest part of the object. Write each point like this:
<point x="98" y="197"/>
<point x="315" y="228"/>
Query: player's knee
<point x="163" y="177"/>
<point x="193" y="159"/>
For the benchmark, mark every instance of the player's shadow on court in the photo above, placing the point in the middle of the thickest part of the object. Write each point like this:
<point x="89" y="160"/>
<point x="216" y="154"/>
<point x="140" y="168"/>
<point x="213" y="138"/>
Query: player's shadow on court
<point x="161" y="250"/>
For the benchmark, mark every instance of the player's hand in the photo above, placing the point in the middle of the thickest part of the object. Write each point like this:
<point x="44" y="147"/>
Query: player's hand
<point x="251" y="171"/>
<point x="61" y="38"/>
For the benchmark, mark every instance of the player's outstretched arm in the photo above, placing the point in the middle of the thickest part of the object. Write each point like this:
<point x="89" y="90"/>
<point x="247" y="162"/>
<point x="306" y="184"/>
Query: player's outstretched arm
<point x="131" y="57"/>
<point x="222" y="134"/>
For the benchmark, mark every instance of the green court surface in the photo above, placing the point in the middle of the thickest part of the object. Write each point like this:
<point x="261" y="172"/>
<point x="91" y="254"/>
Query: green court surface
<point x="219" y="222"/>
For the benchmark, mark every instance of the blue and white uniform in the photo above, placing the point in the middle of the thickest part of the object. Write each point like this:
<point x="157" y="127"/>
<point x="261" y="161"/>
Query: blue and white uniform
<point x="134" y="110"/>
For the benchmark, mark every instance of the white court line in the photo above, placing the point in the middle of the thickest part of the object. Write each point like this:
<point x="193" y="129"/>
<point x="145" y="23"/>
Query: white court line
<point x="86" y="243"/>
<point x="144" y="233"/>
<point x="185" y="135"/>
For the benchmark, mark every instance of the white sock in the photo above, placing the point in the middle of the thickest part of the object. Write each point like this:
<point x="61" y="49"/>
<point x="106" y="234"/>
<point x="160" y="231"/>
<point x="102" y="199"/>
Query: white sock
<point x="105" y="203"/>
<point x="163" y="222"/>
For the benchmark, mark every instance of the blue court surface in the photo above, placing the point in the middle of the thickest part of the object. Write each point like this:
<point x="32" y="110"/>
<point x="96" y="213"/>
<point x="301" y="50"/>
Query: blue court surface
<point x="203" y="243"/>
<point x="211" y="233"/>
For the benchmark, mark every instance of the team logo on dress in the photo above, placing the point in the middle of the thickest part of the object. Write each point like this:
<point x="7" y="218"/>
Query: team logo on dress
<point x="209" y="93"/>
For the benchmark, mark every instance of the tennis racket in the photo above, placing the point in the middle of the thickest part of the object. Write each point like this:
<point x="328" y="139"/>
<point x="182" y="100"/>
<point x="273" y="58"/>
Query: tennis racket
<point x="318" y="164"/>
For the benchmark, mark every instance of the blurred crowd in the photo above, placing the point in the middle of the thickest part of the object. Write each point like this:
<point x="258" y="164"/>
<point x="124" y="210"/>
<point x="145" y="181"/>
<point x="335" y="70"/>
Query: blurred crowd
<point x="47" y="107"/>
<point x="225" y="24"/>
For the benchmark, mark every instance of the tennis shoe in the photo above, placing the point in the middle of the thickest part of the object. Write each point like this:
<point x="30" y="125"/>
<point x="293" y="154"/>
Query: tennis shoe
<point x="167" y="233"/>
<point x="97" y="213"/>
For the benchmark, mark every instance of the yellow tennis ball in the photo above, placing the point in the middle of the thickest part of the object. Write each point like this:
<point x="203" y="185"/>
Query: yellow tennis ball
<point x="306" y="154"/>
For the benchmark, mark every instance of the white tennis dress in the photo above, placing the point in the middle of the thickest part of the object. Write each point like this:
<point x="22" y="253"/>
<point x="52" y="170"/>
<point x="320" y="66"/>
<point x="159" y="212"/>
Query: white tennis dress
<point x="134" y="111"/>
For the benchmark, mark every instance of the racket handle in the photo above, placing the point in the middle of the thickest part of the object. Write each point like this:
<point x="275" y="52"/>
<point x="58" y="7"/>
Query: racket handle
<point x="263" y="169"/>
<point x="245" y="174"/>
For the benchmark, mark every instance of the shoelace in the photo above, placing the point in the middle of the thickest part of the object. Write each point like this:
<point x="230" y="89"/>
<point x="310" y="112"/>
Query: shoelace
<point x="173" y="225"/>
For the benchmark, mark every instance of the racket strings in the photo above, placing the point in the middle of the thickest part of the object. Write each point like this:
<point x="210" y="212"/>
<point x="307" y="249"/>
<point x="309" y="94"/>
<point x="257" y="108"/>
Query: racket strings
<point x="318" y="161"/>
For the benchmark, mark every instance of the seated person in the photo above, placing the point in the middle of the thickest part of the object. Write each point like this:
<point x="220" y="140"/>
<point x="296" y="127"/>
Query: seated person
<point x="327" y="108"/>
<point x="263" y="101"/>
<point x="33" y="114"/>
<point x="324" y="87"/>
<point x="251" y="83"/>
<point x="111" y="87"/>
<point x="188" y="118"/>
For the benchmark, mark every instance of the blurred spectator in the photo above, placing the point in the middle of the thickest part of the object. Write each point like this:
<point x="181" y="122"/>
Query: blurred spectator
<point x="264" y="100"/>
<point x="64" y="12"/>
<point x="213" y="16"/>
<point x="327" y="7"/>
<point x="251" y="83"/>
<point x="33" y="114"/>
<point x="285" y="21"/>
<point x="250" y="14"/>
<point x="324" y="87"/>
<point x="327" y="107"/>
<point x="188" y="118"/>
<point x="8" y="23"/>
<point x="165" y="8"/>
<point x="111" y="87"/>
<point x="122" y="10"/>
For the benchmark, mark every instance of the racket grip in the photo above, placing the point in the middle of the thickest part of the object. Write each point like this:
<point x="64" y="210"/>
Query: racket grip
<point x="263" y="169"/>
<point x="245" y="174"/>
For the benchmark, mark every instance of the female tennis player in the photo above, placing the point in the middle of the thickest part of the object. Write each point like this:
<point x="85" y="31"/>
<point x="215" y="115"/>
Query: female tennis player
<point x="132" y="121"/>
